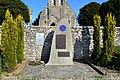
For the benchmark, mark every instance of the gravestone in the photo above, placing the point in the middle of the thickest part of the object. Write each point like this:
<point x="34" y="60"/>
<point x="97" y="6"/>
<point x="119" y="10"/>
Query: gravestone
<point x="62" y="48"/>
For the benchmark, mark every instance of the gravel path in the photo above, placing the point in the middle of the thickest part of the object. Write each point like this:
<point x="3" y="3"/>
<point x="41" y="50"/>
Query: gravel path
<point x="75" y="71"/>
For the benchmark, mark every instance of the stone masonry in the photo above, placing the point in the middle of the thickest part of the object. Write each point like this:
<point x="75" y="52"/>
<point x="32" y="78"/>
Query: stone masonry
<point x="30" y="40"/>
<point x="79" y="40"/>
<point x="55" y="11"/>
<point x="82" y="39"/>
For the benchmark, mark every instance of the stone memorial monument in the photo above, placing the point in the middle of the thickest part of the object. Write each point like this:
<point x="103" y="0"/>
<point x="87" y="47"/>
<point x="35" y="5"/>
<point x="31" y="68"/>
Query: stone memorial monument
<point x="62" y="48"/>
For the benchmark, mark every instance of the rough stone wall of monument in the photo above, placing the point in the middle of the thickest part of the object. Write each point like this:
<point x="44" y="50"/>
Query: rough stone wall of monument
<point x="30" y="40"/>
<point x="30" y="46"/>
<point x="84" y="38"/>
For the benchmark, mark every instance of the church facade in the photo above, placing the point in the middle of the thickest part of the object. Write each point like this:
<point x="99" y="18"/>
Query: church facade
<point x="55" y="11"/>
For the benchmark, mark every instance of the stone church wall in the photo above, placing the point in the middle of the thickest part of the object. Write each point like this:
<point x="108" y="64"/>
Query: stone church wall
<point x="53" y="14"/>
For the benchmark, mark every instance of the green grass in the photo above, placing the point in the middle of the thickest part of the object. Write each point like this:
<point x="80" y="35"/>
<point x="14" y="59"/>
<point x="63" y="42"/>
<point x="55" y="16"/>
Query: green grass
<point x="114" y="64"/>
<point x="98" y="76"/>
<point x="117" y="49"/>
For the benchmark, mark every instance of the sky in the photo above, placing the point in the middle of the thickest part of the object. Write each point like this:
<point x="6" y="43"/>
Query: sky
<point x="39" y="5"/>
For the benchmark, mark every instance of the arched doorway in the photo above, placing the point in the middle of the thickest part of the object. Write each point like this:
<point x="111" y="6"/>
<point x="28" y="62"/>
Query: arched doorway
<point x="53" y="24"/>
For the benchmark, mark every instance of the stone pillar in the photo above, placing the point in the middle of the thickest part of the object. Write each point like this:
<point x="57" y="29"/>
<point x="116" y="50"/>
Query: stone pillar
<point x="30" y="14"/>
<point x="52" y="2"/>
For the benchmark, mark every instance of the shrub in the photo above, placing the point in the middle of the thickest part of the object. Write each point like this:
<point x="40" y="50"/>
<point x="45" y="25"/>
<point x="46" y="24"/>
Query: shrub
<point x="117" y="49"/>
<point x="9" y="42"/>
<point x="108" y="39"/>
<point x="96" y="37"/>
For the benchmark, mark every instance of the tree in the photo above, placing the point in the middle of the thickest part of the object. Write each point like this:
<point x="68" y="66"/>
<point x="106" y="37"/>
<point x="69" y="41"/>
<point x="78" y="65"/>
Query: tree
<point x="96" y="37"/>
<point x="9" y="42"/>
<point x="86" y="14"/>
<point x="110" y="6"/>
<point x="36" y="22"/>
<point x="108" y="39"/>
<point x="20" y="46"/>
<point x="0" y="63"/>
<point x="16" y="7"/>
<point x="0" y="60"/>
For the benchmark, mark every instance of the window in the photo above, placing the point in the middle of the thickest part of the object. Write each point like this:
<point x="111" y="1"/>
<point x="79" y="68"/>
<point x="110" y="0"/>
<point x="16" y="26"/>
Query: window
<point x="61" y="2"/>
<point x="54" y="2"/>
<point x="69" y="21"/>
<point x="45" y="22"/>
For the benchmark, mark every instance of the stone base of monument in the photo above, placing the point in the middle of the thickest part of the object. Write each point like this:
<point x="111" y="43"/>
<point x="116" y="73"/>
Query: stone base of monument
<point x="62" y="48"/>
<point x="60" y="62"/>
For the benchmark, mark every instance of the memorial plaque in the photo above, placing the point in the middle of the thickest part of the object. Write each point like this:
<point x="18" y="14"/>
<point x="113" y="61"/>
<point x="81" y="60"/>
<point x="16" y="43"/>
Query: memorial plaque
<point x="60" y="41"/>
<point x="63" y="54"/>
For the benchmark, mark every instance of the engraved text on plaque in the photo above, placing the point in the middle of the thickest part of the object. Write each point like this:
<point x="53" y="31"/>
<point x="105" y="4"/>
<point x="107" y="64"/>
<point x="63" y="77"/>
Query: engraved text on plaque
<point x="60" y="41"/>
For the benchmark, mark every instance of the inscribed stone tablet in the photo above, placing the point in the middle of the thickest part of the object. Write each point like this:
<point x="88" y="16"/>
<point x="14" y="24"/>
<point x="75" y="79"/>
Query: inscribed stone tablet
<point x="63" y="54"/>
<point x="60" y="41"/>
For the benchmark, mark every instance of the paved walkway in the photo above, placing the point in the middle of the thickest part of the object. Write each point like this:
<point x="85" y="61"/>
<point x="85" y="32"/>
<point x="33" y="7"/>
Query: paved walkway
<point x="76" y="71"/>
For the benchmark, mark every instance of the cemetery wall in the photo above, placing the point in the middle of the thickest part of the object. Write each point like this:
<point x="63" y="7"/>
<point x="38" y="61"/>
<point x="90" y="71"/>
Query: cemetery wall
<point x="82" y="39"/>
<point x="32" y="47"/>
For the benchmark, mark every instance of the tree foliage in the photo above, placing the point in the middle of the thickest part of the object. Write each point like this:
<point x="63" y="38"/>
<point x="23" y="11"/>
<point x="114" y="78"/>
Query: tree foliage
<point x="9" y="42"/>
<point x="36" y="22"/>
<point x="110" y="6"/>
<point x="96" y="37"/>
<point x="86" y="14"/>
<point x="20" y="46"/>
<point x="1" y="60"/>
<point x="15" y="7"/>
<point x="0" y="63"/>
<point x="108" y="39"/>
